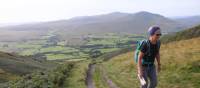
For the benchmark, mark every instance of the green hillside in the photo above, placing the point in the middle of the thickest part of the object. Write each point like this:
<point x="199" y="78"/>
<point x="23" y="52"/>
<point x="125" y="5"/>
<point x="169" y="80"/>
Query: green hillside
<point x="116" y="69"/>
<point x="66" y="75"/>
<point x="182" y="35"/>
<point x="179" y="59"/>
<point x="180" y="67"/>
<point x="13" y="66"/>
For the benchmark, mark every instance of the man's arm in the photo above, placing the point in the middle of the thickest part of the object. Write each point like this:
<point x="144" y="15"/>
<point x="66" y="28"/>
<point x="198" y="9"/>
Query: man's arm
<point x="141" y="54"/>
<point x="158" y="61"/>
<point x="158" y="58"/>
<point x="143" y="49"/>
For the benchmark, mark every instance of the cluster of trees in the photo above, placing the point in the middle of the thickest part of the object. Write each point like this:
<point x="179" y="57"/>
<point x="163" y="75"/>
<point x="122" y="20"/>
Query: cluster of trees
<point x="40" y="79"/>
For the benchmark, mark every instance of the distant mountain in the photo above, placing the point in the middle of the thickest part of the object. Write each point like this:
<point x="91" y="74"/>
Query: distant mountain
<point x="190" y="21"/>
<point x="112" y="22"/>
<point x="182" y="35"/>
<point x="121" y="22"/>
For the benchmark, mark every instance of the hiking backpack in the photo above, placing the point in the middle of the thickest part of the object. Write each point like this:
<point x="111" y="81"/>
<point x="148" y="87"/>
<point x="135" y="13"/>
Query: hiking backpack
<point x="138" y="47"/>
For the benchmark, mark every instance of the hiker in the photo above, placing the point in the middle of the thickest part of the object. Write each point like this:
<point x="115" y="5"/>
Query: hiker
<point x="148" y="51"/>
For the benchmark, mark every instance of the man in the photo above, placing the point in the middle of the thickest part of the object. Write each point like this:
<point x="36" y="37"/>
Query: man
<point x="149" y="51"/>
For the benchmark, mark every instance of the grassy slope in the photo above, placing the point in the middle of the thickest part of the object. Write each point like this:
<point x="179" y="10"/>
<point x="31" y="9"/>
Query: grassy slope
<point x="98" y="77"/>
<point x="67" y="75"/>
<point x="180" y="66"/>
<point x="77" y="76"/>
<point x="12" y="66"/>
<point x="182" y="35"/>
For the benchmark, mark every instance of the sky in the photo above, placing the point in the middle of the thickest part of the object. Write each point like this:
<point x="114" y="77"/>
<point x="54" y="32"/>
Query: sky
<point x="22" y="11"/>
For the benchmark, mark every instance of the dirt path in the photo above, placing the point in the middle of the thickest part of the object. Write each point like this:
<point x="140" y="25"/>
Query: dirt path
<point x="89" y="81"/>
<point x="89" y="77"/>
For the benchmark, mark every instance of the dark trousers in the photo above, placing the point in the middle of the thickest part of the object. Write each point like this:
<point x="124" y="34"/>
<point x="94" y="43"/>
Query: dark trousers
<point x="149" y="72"/>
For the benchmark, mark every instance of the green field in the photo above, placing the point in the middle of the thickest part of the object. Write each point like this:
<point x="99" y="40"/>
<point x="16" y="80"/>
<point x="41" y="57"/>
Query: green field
<point x="54" y="49"/>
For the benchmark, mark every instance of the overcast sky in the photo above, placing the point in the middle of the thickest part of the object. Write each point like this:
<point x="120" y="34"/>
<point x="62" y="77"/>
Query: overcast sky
<point x="18" y="11"/>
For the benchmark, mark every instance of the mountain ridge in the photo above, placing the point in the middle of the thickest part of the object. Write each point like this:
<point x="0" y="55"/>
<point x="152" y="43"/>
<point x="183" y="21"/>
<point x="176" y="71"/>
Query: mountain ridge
<point x="111" y="22"/>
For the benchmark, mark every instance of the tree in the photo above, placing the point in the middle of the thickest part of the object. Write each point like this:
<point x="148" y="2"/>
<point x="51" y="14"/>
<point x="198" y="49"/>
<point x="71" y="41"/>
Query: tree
<point x="95" y="53"/>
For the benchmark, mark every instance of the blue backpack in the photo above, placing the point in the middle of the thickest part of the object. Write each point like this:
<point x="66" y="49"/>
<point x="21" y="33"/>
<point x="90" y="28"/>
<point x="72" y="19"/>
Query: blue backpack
<point x="138" y="47"/>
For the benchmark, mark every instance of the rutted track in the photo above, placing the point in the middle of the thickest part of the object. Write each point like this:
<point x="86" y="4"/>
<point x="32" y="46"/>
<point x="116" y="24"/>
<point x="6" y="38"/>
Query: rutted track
<point x="89" y="77"/>
<point x="90" y="74"/>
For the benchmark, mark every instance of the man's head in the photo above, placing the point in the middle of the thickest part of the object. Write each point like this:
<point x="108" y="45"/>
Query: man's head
<point x="154" y="32"/>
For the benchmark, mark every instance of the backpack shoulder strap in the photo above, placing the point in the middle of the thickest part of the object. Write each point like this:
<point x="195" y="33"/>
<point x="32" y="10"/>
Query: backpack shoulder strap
<point x="147" y="43"/>
<point x="148" y="47"/>
<point x="140" y="43"/>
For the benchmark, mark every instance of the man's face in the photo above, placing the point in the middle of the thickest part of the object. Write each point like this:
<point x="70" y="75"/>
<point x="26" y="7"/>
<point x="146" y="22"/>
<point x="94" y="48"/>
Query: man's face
<point x="157" y="35"/>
